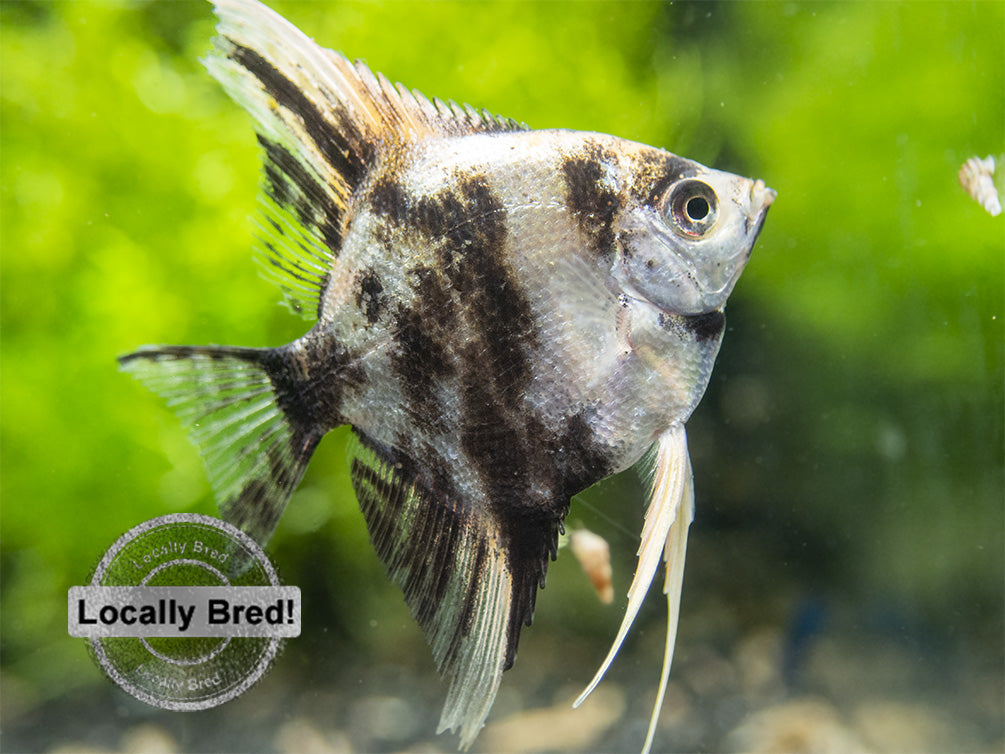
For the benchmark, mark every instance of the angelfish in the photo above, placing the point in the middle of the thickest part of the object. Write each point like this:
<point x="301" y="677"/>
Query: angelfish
<point x="503" y="316"/>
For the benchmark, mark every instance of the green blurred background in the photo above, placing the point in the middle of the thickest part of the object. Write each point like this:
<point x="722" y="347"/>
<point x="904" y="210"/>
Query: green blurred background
<point x="846" y="563"/>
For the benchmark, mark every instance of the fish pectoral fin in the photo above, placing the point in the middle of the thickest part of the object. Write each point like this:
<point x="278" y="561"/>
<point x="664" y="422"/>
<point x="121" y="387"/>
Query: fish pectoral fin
<point x="457" y="574"/>
<point x="668" y="517"/>
<point x="255" y="455"/>
<point x="322" y="122"/>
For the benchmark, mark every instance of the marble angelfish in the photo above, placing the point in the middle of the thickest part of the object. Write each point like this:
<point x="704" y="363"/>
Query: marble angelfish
<point x="503" y="316"/>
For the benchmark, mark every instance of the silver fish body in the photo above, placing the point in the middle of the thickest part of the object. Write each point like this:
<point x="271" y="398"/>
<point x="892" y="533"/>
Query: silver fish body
<point x="504" y="317"/>
<point x="508" y="256"/>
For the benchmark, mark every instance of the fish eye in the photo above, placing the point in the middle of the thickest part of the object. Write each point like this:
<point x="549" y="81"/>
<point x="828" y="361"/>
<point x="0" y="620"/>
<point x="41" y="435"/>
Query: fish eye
<point x="692" y="208"/>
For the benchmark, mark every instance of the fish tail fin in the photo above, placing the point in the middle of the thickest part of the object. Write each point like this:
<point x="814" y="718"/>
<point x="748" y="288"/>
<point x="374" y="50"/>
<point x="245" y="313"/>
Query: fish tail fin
<point x="232" y="400"/>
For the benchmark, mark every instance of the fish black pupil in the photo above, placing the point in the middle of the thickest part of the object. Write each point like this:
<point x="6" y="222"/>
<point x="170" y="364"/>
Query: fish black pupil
<point x="692" y="208"/>
<point x="697" y="208"/>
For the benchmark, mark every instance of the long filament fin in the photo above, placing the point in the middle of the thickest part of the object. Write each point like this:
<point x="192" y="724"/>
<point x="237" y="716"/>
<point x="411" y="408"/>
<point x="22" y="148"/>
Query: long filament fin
<point x="673" y="556"/>
<point x="664" y="533"/>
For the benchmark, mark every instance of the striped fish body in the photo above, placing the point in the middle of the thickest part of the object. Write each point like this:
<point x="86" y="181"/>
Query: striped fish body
<point x="503" y="316"/>
<point x="476" y="294"/>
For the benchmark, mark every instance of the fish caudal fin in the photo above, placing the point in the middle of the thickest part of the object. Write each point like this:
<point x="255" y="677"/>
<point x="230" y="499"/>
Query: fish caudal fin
<point x="255" y="454"/>
<point x="322" y="123"/>
<point x="668" y="517"/>
<point x="452" y="566"/>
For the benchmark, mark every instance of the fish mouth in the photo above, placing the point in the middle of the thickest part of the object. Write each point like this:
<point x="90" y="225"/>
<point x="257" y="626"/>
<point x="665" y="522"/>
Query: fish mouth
<point x="761" y="196"/>
<point x="761" y="199"/>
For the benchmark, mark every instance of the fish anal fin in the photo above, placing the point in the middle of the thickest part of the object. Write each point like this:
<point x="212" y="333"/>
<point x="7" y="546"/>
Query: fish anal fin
<point x="451" y="563"/>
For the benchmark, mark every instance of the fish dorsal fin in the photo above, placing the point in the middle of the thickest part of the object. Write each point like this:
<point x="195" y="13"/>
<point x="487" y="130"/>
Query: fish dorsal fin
<point x="451" y="563"/>
<point x="668" y="517"/>
<point x="322" y="122"/>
